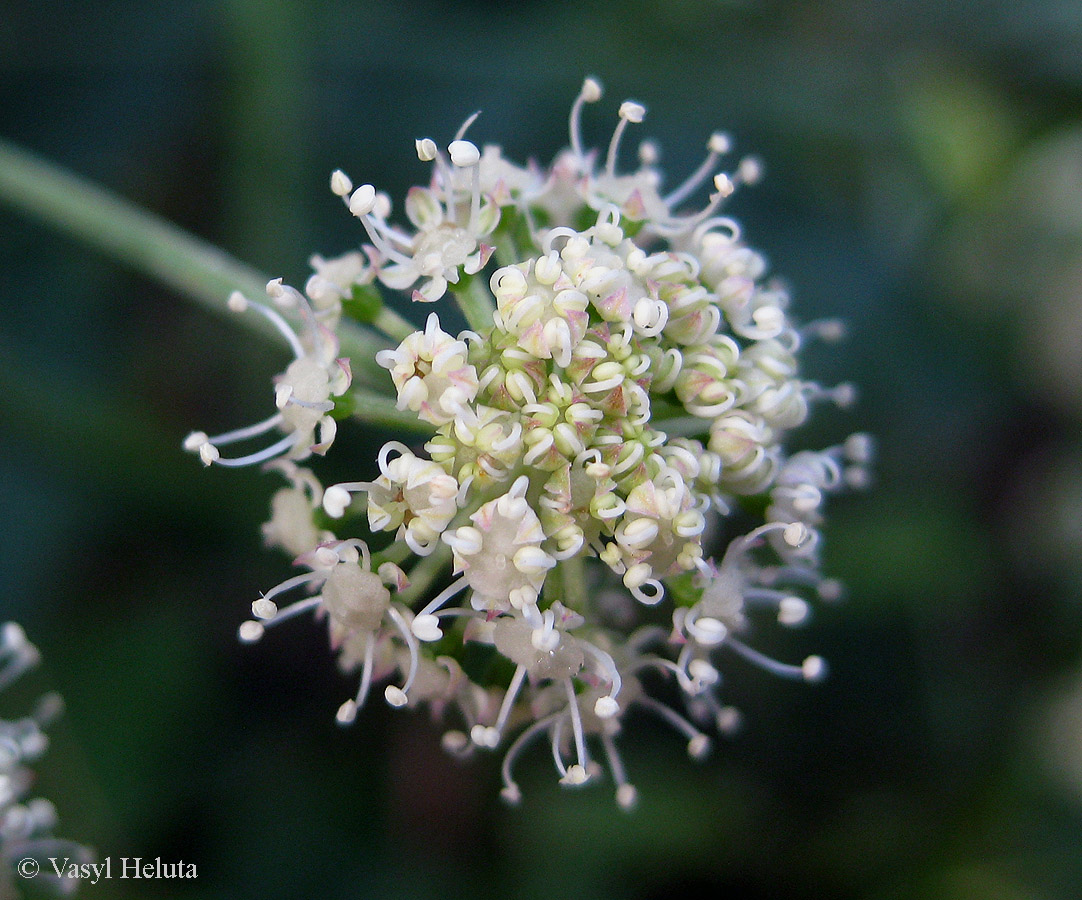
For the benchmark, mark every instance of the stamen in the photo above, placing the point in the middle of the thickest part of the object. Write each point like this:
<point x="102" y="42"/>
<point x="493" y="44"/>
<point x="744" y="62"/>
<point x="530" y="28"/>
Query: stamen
<point x="366" y="668"/>
<point x="263" y="455"/>
<point x="424" y="623"/>
<point x="580" y="738"/>
<point x="718" y="145"/>
<point x="510" y="791"/>
<point x="698" y="743"/>
<point x="239" y="303"/>
<point x="590" y="93"/>
<point x="626" y="795"/>
<point x="340" y="183"/>
<point x="509" y="701"/>
<point x="630" y="111"/>
<point x="397" y="696"/>
<point x="812" y="669"/>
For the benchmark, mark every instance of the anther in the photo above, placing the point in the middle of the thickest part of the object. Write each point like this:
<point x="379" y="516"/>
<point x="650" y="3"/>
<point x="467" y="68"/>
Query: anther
<point x="464" y="154"/>
<point x="340" y="183"/>
<point x="796" y="534"/>
<point x="698" y="746"/>
<point x="606" y="707"/>
<point x="426" y="149"/>
<point x="363" y="200"/>
<point x="814" y="668"/>
<point x="264" y="608"/>
<point x="347" y="713"/>
<point x="250" y="632"/>
<point x="335" y="501"/>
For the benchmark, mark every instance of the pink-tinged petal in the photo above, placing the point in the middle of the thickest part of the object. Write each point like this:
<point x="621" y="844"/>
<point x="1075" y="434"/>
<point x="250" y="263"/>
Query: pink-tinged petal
<point x="634" y="208"/>
<point x="343" y="363"/>
<point x="616" y="307"/>
<point x="532" y="340"/>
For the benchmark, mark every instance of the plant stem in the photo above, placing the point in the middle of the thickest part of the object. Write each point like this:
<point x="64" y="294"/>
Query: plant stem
<point x="153" y="246"/>
<point x="475" y="302"/>
<point x="378" y="409"/>
<point x="393" y="325"/>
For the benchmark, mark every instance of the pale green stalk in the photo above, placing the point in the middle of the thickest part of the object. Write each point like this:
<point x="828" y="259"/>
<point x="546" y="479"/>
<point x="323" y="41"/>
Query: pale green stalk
<point x="476" y="303"/>
<point x="151" y="245"/>
<point x="379" y="409"/>
<point x="393" y="325"/>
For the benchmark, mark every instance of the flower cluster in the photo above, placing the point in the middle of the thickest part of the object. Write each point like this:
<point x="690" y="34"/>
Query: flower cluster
<point x="26" y="825"/>
<point x="620" y="405"/>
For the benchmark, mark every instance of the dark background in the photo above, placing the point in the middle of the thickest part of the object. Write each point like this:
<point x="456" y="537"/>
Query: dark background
<point x="924" y="181"/>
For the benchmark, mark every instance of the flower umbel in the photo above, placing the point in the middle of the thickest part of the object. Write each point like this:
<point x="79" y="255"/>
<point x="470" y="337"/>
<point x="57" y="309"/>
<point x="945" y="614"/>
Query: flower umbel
<point x="26" y="824"/>
<point x="622" y="401"/>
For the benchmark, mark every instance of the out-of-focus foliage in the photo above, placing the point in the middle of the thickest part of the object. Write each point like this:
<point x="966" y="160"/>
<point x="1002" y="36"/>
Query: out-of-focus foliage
<point x="923" y="181"/>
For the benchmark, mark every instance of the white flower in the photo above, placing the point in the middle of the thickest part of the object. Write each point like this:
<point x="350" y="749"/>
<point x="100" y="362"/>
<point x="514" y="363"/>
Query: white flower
<point x="413" y="495"/>
<point x="291" y="526"/>
<point x="500" y="555"/>
<point x="303" y="393"/>
<point x="26" y="824"/>
<point x="622" y="400"/>
<point x="430" y="371"/>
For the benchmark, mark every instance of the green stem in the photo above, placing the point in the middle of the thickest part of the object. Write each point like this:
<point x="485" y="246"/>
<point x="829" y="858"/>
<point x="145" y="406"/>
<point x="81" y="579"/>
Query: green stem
<point x="425" y="572"/>
<point x="393" y="325"/>
<point x="476" y="303"/>
<point x="573" y="573"/>
<point x="377" y="409"/>
<point x="506" y="249"/>
<point x="153" y="246"/>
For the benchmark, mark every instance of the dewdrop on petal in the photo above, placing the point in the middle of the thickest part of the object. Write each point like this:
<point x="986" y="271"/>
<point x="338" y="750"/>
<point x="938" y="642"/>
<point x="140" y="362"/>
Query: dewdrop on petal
<point x="600" y="493"/>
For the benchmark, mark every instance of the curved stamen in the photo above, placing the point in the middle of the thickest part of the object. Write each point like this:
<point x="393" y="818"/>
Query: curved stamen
<point x="263" y="455"/>
<point x="239" y="303"/>
<point x="718" y="145"/>
<point x="630" y="111"/>
<point x="590" y="93"/>
<point x="510" y="791"/>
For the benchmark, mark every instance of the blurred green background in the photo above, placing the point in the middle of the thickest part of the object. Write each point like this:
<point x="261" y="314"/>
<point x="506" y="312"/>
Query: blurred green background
<point x="924" y="181"/>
